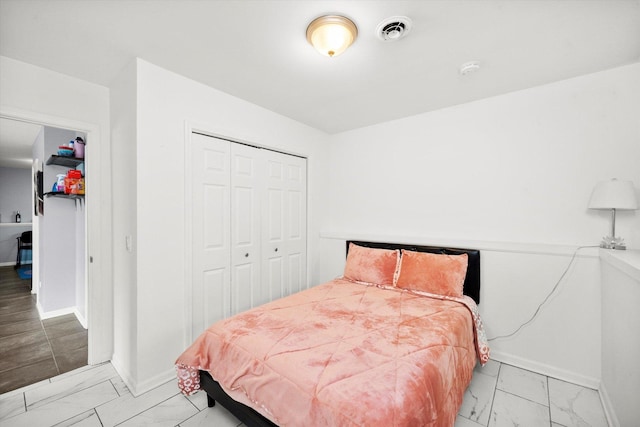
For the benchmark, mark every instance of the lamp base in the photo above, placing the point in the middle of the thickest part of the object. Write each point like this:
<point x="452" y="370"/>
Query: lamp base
<point x="609" y="242"/>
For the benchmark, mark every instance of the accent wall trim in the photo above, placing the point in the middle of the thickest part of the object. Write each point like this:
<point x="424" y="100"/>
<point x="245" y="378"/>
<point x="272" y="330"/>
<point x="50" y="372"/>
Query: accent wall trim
<point x="483" y="245"/>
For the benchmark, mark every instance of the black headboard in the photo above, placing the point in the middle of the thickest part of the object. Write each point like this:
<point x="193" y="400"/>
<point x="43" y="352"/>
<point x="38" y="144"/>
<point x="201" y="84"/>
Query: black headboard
<point x="471" y="282"/>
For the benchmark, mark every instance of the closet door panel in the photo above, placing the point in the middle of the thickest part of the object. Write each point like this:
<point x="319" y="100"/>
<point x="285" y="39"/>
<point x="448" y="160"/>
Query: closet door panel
<point x="296" y="185"/>
<point x="296" y="207"/>
<point x="286" y="213"/>
<point x="273" y="222"/>
<point x="296" y="237"/>
<point x="210" y="231"/>
<point x="274" y="242"/>
<point x="274" y="278"/>
<point x="274" y="212"/>
<point x="244" y="252"/>
<point x="246" y="182"/>
<point x="243" y="289"/>
<point x="214" y="296"/>
<point x="296" y="273"/>
<point x="244" y="230"/>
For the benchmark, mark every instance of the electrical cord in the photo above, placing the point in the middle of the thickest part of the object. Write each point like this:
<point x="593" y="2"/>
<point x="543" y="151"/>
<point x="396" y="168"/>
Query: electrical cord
<point x="555" y="287"/>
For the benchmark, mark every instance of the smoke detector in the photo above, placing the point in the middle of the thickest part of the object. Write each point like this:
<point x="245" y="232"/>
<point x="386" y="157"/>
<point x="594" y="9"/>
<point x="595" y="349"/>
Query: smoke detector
<point x="469" y="67"/>
<point x="394" y="28"/>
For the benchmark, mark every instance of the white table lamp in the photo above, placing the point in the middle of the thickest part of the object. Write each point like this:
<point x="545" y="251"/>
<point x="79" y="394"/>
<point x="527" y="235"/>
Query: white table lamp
<point x="614" y="195"/>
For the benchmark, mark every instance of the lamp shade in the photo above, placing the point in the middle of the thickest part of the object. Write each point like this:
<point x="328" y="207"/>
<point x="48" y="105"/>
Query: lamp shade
<point x="331" y="35"/>
<point x="614" y="194"/>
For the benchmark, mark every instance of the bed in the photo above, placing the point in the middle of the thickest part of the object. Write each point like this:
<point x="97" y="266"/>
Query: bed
<point x="392" y="342"/>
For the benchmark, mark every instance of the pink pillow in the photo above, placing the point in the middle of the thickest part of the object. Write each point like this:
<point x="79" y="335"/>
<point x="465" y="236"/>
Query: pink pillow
<point x="434" y="273"/>
<point x="370" y="265"/>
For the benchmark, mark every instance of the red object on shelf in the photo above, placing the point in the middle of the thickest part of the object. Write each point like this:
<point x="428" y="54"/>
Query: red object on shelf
<point x="74" y="185"/>
<point x="74" y="173"/>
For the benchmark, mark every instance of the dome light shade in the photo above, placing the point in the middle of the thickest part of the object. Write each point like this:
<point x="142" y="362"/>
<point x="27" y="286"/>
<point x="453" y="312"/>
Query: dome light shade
<point x="331" y="35"/>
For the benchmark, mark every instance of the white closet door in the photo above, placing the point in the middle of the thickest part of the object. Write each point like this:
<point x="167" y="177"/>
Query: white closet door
<point x="211" y="224"/>
<point x="246" y="184"/>
<point x="296" y="223"/>
<point x="283" y="225"/>
<point x="248" y="228"/>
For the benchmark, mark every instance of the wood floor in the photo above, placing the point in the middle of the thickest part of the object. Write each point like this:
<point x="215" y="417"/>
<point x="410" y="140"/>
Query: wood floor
<point x="32" y="350"/>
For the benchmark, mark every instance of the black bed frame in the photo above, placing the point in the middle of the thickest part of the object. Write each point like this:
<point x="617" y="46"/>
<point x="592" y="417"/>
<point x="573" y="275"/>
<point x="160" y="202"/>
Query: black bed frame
<point x="251" y="418"/>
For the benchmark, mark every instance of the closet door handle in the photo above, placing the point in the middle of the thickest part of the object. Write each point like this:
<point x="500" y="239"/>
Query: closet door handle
<point x="246" y="255"/>
<point x="276" y="249"/>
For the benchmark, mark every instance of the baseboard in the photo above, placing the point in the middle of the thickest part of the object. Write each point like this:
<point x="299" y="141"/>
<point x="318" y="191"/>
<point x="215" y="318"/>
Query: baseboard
<point x="124" y="373"/>
<point x="548" y="370"/>
<point x="54" y="313"/>
<point x="609" y="412"/>
<point x="137" y="388"/>
<point x="156" y="381"/>
<point x="13" y="264"/>
<point x="62" y="312"/>
<point x="81" y="318"/>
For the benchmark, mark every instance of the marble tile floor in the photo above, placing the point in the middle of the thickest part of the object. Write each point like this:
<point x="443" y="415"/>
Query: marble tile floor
<point x="32" y="350"/>
<point x="499" y="395"/>
<point x="503" y="395"/>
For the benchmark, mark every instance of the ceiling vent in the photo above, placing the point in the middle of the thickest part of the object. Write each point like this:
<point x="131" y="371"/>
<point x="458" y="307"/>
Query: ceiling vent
<point x="394" y="28"/>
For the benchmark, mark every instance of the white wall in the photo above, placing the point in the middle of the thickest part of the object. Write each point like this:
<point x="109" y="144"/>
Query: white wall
<point x="124" y="141"/>
<point x="518" y="167"/>
<point x="57" y="287"/>
<point x="38" y="95"/>
<point x="512" y="175"/>
<point x="166" y="102"/>
<point x="620" y="338"/>
<point x="15" y="195"/>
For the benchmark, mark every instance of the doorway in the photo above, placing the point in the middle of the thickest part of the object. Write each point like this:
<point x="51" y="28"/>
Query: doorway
<point x="98" y="286"/>
<point x="44" y="334"/>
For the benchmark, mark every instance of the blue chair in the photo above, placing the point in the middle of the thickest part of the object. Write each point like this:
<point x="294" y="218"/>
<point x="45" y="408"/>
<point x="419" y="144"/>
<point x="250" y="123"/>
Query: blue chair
<point x="24" y="244"/>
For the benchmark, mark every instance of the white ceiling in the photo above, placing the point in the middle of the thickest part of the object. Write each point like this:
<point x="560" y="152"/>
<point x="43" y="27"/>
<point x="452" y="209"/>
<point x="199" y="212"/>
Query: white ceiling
<point x="16" y="139"/>
<point x="257" y="50"/>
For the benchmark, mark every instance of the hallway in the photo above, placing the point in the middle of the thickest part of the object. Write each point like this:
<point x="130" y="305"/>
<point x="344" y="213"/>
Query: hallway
<point x="32" y="350"/>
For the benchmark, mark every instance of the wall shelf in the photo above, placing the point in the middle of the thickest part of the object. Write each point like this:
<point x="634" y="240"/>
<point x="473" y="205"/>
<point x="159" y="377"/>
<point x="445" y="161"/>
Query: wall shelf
<point x="75" y="197"/>
<point x="69" y="162"/>
<point x="64" y="196"/>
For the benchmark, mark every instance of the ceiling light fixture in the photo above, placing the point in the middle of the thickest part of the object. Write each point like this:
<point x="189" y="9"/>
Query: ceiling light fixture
<point x="331" y="34"/>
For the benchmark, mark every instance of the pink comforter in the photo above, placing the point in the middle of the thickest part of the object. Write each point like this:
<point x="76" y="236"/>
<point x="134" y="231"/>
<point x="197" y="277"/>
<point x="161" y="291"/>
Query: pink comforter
<point x="344" y="354"/>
